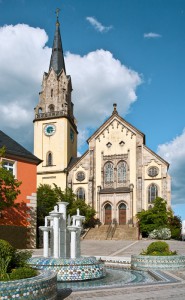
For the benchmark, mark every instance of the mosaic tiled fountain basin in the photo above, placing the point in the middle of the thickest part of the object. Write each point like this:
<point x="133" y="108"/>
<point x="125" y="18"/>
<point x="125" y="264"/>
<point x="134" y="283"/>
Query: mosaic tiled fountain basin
<point x="41" y="287"/>
<point x="146" y="262"/>
<point x="79" y="269"/>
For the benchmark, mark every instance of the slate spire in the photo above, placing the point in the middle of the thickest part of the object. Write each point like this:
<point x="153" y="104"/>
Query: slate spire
<point x="57" y="57"/>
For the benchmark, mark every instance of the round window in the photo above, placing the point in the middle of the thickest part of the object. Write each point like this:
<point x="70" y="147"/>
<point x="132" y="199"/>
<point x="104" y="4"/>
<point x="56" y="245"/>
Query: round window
<point x="80" y="176"/>
<point x="153" y="171"/>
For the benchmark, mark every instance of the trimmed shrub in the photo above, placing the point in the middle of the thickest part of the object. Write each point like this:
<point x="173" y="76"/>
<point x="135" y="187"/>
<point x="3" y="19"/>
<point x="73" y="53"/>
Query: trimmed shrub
<point x="22" y="273"/>
<point x="158" y="248"/>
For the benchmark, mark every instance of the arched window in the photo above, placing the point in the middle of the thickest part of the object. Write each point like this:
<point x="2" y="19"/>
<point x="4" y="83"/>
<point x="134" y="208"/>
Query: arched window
<point x="109" y="172"/>
<point x="122" y="171"/>
<point x="51" y="108"/>
<point x="49" y="159"/>
<point x="80" y="194"/>
<point x="51" y="92"/>
<point x="152" y="193"/>
<point x="40" y="110"/>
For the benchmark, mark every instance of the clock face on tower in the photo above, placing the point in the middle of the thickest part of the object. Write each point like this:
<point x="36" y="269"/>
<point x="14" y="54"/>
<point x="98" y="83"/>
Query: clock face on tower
<point x="49" y="129"/>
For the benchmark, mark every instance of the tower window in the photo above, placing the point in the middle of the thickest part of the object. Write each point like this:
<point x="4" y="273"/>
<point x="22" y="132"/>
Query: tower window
<point x="49" y="159"/>
<point x="51" y="92"/>
<point x="80" y="194"/>
<point x="152" y="193"/>
<point x="40" y="110"/>
<point x="109" y="172"/>
<point x="51" y="108"/>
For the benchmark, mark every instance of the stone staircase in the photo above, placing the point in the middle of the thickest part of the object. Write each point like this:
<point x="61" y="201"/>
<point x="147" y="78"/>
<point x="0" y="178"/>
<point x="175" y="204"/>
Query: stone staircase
<point x="125" y="232"/>
<point x="112" y="232"/>
<point x="97" y="233"/>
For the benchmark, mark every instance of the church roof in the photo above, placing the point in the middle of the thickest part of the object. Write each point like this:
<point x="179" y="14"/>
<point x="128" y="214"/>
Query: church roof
<point x="157" y="156"/>
<point x="14" y="150"/>
<point x="72" y="162"/>
<point x="57" y="57"/>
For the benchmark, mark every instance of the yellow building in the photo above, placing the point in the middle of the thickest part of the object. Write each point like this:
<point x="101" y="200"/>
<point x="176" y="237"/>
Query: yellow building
<point x="118" y="175"/>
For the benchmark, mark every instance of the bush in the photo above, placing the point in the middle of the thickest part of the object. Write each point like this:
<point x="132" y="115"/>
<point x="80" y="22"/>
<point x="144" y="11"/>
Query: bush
<point x="176" y="233"/>
<point x="22" y="273"/>
<point x="6" y="254"/>
<point x="158" y="248"/>
<point x="6" y="249"/>
<point x="16" y="260"/>
<point x="160" y="234"/>
<point x="20" y="258"/>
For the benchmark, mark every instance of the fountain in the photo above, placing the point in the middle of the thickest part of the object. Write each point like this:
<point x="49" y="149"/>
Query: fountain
<point x="61" y="248"/>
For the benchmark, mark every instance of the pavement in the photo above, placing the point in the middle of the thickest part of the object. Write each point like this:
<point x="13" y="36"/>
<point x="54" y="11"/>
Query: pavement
<point x="125" y="249"/>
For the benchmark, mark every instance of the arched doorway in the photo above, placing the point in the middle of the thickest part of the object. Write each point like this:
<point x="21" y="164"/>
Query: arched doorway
<point x="122" y="214"/>
<point x="108" y="214"/>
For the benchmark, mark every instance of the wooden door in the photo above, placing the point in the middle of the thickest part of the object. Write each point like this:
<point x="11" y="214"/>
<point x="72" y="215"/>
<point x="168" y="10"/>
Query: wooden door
<point x="108" y="214"/>
<point x="122" y="214"/>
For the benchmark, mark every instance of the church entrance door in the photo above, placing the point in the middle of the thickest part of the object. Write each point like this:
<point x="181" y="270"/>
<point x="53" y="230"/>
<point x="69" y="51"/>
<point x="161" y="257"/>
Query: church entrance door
<point x="108" y="214"/>
<point x="122" y="214"/>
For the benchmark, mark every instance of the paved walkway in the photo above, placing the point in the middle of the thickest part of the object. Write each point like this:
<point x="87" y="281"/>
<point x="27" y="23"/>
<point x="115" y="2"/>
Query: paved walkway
<point x="125" y="249"/>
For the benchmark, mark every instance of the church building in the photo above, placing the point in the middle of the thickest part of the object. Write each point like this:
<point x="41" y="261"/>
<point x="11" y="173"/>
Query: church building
<point x="118" y="175"/>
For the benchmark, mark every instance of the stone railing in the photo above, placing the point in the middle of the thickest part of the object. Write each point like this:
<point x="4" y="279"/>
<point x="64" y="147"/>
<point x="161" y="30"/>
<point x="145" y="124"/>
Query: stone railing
<point x="51" y="114"/>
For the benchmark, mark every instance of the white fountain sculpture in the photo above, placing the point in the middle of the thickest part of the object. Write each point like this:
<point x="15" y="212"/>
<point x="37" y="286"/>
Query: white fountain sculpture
<point x="61" y="248"/>
<point x="64" y="240"/>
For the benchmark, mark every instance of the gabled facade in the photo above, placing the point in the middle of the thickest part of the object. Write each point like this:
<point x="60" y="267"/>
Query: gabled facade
<point x="23" y="165"/>
<point x="119" y="176"/>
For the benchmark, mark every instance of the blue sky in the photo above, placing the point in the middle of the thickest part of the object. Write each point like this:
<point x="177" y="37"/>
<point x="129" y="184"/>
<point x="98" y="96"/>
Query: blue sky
<point x="127" y="51"/>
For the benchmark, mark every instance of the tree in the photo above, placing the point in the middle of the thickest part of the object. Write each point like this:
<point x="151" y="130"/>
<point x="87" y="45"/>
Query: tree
<point x="154" y="218"/>
<point x="9" y="186"/>
<point x="47" y="198"/>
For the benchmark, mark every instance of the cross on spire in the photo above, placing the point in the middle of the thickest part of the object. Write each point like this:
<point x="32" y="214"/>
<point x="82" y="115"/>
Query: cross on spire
<point x="57" y="13"/>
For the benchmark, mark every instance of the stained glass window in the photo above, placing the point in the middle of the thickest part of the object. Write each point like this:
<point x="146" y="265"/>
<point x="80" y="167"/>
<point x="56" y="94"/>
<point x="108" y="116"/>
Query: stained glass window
<point x="109" y="172"/>
<point x="80" y="194"/>
<point x="152" y="193"/>
<point x="122" y="171"/>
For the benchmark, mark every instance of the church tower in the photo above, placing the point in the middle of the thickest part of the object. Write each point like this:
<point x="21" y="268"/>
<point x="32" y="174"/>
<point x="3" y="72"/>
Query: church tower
<point x="55" y="130"/>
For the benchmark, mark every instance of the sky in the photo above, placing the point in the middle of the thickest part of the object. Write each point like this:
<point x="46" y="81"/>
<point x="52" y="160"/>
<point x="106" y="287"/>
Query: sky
<point x="129" y="52"/>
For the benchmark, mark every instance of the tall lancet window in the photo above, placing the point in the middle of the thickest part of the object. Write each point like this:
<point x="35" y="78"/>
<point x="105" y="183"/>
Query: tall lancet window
<point x="51" y="93"/>
<point x="80" y="194"/>
<point x="122" y="171"/>
<point x="49" y="159"/>
<point x="109" y="172"/>
<point x="152" y="193"/>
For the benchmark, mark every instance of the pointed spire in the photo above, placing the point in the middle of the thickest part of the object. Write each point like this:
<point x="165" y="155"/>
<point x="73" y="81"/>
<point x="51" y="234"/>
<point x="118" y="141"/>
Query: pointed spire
<point x="57" y="57"/>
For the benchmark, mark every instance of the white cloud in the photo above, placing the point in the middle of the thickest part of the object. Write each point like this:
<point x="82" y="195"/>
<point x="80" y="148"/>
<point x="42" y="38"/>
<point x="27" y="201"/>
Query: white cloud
<point x="152" y="35"/>
<point x="99" y="80"/>
<point x="97" y="25"/>
<point x="23" y="59"/>
<point x="174" y="153"/>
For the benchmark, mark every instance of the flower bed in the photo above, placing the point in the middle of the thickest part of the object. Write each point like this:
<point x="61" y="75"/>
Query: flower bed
<point x="146" y="262"/>
<point x="158" y="256"/>
<point x="41" y="287"/>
